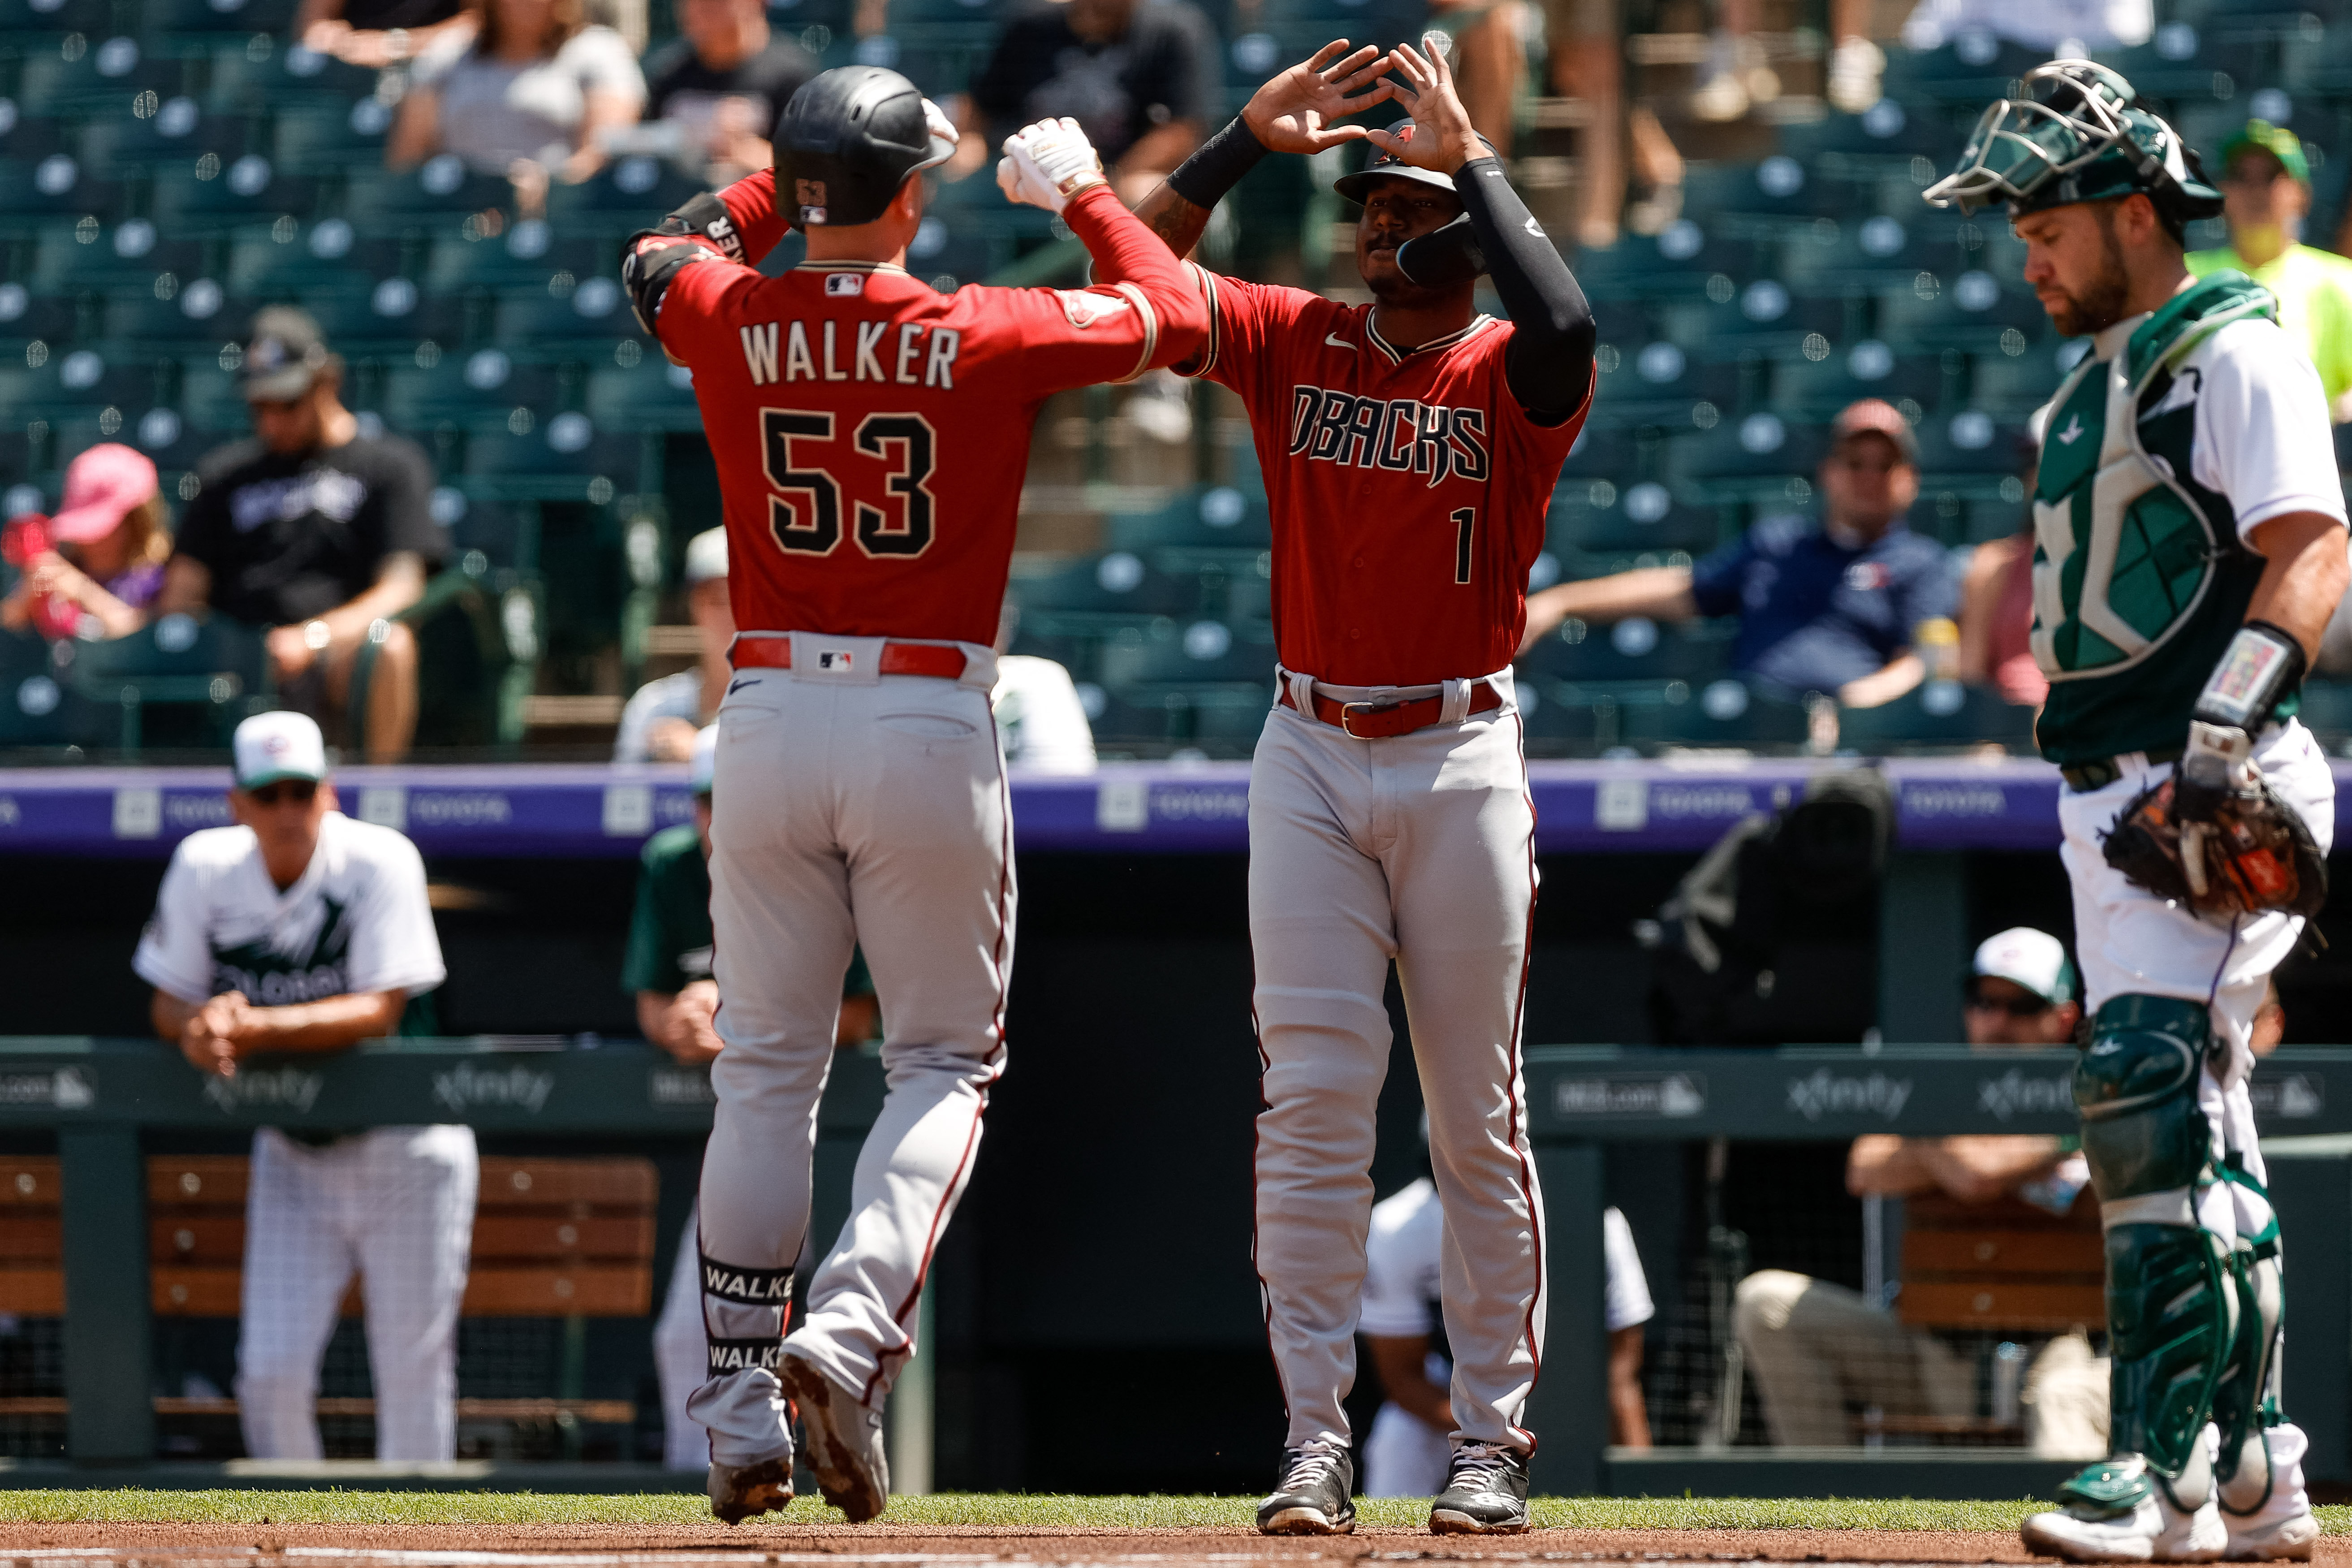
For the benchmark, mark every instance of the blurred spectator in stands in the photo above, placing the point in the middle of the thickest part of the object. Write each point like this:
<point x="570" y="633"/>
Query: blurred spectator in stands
<point x="1402" y="1322"/>
<point x="380" y="33"/>
<point x="1130" y="71"/>
<point x="526" y="97"/>
<point x="2066" y="29"/>
<point x="1829" y="608"/>
<point x="2266" y="195"/>
<point x="722" y="82"/>
<point x="109" y="541"/>
<point x="668" y="969"/>
<point x="1620" y="138"/>
<point x="1038" y="715"/>
<point x="318" y="533"/>
<point x="1997" y="611"/>
<point x="1817" y="1349"/>
<point x="1486" y="45"/>
<point x="659" y="723"/>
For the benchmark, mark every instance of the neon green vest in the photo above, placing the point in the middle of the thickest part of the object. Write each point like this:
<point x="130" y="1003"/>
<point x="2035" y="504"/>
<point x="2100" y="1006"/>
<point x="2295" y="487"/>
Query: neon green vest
<point x="2139" y="581"/>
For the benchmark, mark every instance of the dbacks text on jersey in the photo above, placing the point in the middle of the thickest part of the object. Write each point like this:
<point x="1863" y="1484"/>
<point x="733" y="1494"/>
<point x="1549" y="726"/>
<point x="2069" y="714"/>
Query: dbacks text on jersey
<point x="1401" y="433"/>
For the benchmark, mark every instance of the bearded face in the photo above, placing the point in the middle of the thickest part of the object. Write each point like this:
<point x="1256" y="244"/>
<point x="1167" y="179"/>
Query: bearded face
<point x="2074" y="264"/>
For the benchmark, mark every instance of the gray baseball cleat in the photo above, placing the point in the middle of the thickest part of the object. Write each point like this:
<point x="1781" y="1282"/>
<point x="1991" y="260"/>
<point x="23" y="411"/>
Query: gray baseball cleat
<point x="1485" y="1492"/>
<point x="738" y="1491"/>
<point x="841" y="1439"/>
<point x="1313" y="1496"/>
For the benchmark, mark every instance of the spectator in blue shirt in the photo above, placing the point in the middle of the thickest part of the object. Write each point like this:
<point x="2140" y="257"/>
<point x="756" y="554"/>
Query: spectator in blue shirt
<point x="1827" y="608"/>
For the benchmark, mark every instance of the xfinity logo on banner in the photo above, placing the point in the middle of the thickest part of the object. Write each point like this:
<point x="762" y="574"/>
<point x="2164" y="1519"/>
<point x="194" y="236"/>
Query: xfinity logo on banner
<point x="1834" y="1094"/>
<point x="2014" y="1094"/>
<point x="465" y="1088"/>
<point x="286" y="1089"/>
<point x="2294" y="1096"/>
<point x="1631" y="1094"/>
<point x="64" y="1089"/>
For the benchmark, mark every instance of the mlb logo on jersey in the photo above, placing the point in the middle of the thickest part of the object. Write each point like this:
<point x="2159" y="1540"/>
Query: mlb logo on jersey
<point x="844" y="283"/>
<point x="836" y="660"/>
<point x="1867" y="576"/>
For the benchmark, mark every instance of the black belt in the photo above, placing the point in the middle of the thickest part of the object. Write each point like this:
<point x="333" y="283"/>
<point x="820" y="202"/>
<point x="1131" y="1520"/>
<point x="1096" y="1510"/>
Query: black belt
<point x="2101" y="772"/>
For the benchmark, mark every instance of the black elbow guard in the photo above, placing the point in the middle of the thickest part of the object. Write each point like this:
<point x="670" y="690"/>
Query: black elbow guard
<point x="650" y="264"/>
<point x="1443" y="258"/>
<point x="704" y="216"/>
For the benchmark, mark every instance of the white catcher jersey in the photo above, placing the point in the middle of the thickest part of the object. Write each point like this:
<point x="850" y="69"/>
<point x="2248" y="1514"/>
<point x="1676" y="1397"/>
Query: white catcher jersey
<point x="1400" y="1293"/>
<point x="356" y="921"/>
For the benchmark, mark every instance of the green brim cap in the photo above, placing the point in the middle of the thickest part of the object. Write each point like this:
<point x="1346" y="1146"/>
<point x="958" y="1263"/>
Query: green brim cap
<point x="2278" y="141"/>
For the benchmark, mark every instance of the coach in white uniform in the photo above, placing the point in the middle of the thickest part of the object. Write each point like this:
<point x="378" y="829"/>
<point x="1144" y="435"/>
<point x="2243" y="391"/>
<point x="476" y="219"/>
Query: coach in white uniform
<point x="301" y="931"/>
<point x="1406" y="1451"/>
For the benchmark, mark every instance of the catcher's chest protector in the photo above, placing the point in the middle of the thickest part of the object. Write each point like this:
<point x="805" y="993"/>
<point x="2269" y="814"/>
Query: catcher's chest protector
<point x="2139" y="579"/>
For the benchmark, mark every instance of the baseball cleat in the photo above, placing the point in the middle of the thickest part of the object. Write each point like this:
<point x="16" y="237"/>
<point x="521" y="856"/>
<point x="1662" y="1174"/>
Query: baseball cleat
<point x="2278" y="1540"/>
<point x="1313" y="1496"/>
<point x="2151" y="1532"/>
<point x="841" y="1439"/>
<point x="738" y="1491"/>
<point x="1485" y="1492"/>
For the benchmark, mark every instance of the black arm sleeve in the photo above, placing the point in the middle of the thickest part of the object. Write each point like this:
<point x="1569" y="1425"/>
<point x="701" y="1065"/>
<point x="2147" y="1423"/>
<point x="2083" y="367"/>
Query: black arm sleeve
<point x="1549" y="362"/>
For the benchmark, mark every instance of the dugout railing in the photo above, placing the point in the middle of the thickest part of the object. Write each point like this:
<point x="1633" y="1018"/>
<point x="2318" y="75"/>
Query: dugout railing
<point x="101" y="1099"/>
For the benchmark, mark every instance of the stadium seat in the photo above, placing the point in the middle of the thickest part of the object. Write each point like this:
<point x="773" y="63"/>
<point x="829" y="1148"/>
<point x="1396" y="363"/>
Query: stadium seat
<point x="1641" y="518"/>
<point x="84" y="378"/>
<point x="1761" y="316"/>
<point x="1659" y="383"/>
<point x="1602" y="454"/>
<point x="40" y="708"/>
<point x="1677" y="264"/>
<point x="1970" y="452"/>
<point x="242" y="19"/>
<point x="652" y="394"/>
<point x="2011" y="385"/>
<point x="314" y="137"/>
<point x="476" y="388"/>
<point x="56" y="185"/>
<point x="1777" y="194"/>
<point x="260" y="71"/>
<point x="1974" y="312"/>
<point x="525" y="252"/>
<point x="393" y="312"/>
<point x="1636" y="648"/>
<point x="1726" y="710"/>
<point x="629" y="193"/>
<point x="1962" y="75"/>
<point x="569" y="305"/>
<point x="53" y="318"/>
<point x="1113" y="589"/>
<point x="178" y="682"/>
<point x="567" y="444"/>
<point x="1753" y="459"/>
<point x="1201" y="652"/>
<point x="436" y="188"/>
<point x="1937" y="715"/>
<point x="1813" y="389"/>
<point x="1198" y="525"/>
<point x="29" y="138"/>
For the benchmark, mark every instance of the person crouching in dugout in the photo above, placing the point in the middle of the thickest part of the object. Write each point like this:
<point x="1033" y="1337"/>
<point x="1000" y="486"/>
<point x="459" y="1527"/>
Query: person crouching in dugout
<point x="2189" y="547"/>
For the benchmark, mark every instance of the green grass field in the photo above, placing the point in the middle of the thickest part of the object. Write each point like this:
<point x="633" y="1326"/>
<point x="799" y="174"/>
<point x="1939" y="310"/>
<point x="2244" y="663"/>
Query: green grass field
<point x="1000" y="1512"/>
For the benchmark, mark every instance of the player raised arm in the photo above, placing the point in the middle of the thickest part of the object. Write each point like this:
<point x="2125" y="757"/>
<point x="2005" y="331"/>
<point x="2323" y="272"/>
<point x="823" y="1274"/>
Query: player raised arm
<point x="1548" y="364"/>
<point x="1292" y="113"/>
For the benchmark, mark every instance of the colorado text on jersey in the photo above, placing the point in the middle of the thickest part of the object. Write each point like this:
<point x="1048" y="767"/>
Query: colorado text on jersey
<point x="1401" y="433"/>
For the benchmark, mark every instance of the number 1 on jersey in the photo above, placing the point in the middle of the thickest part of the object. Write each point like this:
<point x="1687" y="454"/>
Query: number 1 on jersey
<point x="1465" y="523"/>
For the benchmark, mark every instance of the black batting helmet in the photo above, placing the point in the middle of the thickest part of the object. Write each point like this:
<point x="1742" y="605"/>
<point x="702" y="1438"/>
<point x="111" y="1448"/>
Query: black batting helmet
<point x="847" y="141"/>
<point x="1355" y="186"/>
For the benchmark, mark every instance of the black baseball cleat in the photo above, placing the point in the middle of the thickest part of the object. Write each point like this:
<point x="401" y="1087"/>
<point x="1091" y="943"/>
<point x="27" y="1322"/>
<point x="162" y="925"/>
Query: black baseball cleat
<point x="1485" y="1492"/>
<point x="1313" y="1496"/>
<point x="841" y="1439"/>
<point x="738" y="1491"/>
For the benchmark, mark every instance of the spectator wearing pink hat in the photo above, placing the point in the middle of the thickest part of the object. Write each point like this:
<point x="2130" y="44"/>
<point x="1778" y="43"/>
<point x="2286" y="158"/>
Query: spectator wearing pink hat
<point x="111" y="540"/>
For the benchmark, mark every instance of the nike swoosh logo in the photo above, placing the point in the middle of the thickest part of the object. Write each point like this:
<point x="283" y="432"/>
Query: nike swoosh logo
<point x="1338" y="342"/>
<point x="740" y="682"/>
<point x="1535" y="228"/>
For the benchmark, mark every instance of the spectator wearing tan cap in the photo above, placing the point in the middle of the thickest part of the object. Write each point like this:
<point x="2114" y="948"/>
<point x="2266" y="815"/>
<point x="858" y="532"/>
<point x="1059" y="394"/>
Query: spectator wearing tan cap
<point x="111" y="539"/>
<point x="2265" y="197"/>
<point x="1827" y="608"/>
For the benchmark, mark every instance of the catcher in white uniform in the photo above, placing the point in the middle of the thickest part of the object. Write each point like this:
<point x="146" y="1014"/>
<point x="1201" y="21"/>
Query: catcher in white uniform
<point x="301" y="931"/>
<point x="2188" y="548"/>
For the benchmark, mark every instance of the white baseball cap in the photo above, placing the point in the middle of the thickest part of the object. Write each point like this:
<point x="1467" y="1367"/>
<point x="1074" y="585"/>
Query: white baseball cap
<point x="706" y="556"/>
<point x="278" y="746"/>
<point x="705" y="766"/>
<point x="2033" y="959"/>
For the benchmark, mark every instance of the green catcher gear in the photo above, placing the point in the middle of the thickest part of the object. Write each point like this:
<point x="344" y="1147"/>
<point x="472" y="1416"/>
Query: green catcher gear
<point x="2246" y="1402"/>
<point x="2076" y="134"/>
<point x="2171" y="1306"/>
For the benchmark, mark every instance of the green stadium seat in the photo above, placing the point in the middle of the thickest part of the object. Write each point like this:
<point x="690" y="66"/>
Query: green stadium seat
<point x="628" y="193"/>
<point x="1755" y="458"/>
<point x="86" y="378"/>
<point x="1113" y="589"/>
<point x="236" y="189"/>
<point x="99" y="74"/>
<point x="1938" y="715"/>
<point x="197" y="312"/>
<point x="1974" y="312"/>
<point x="68" y="258"/>
<point x="262" y="71"/>
<point x="171" y="137"/>
<point x="525" y="252"/>
<point x="565" y="444"/>
<point x="55" y="185"/>
<point x="1776" y="193"/>
<point x="40" y="708"/>
<point x="29" y="138"/>
<point x="1677" y="264"/>
<point x="393" y="311"/>
<point x="1816" y="390"/>
<point x="652" y="394"/>
<point x="1199" y="652"/>
<point x="1760" y="315"/>
<point x="240" y="17"/>
<point x="1641" y="518"/>
<point x="1657" y="382"/>
<point x="1727" y="710"/>
<point x="569" y="305"/>
<point x="1632" y="649"/>
<point x="1970" y="452"/>
<point x="2011" y="385"/>
<point x="1209" y="522"/>
<point x="485" y="388"/>
<point x="178" y="682"/>
<point x="25" y="316"/>
<point x="435" y="190"/>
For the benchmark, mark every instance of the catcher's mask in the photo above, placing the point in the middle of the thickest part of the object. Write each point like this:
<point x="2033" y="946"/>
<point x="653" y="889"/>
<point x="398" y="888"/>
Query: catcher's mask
<point x="2077" y="134"/>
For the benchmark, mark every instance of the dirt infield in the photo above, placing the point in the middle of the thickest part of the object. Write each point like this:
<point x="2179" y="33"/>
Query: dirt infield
<point x="647" y="1546"/>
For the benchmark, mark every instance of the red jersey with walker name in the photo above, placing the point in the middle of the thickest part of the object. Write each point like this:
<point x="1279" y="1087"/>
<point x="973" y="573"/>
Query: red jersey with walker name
<point x="872" y="434"/>
<point x="1407" y="489"/>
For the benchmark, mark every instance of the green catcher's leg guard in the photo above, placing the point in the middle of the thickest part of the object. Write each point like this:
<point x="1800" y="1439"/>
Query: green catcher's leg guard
<point x="2246" y="1401"/>
<point x="2170" y="1310"/>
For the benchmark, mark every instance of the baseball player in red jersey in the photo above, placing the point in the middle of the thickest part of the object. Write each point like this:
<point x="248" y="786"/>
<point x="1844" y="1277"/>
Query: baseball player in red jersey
<point x="1410" y="448"/>
<point x="871" y="436"/>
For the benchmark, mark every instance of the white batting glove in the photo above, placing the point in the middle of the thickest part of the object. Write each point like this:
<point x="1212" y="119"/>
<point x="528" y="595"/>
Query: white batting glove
<point x="938" y="125"/>
<point x="1046" y="163"/>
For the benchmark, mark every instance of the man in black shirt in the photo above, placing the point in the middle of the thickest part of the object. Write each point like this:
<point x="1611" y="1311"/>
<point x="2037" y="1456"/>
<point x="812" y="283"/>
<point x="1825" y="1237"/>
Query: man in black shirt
<point x="723" y="82"/>
<point x="315" y="531"/>
<point x="1132" y="72"/>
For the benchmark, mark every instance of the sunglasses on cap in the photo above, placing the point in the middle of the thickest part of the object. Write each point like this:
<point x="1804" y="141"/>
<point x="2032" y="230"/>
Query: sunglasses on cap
<point x="2025" y="1005"/>
<point x="301" y="792"/>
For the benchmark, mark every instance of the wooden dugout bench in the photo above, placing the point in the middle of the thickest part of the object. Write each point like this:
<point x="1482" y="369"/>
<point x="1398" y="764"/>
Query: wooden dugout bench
<point x="570" y="1238"/>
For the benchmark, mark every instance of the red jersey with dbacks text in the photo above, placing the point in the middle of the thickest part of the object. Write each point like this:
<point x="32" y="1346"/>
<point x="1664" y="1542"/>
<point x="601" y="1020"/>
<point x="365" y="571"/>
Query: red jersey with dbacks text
<point x="872" y="434"/>
<point x="1407" y="490"/>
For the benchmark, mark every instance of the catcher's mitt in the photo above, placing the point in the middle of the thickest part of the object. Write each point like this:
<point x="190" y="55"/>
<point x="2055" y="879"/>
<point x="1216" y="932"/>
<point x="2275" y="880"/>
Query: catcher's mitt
<point x="2255" y="855"/>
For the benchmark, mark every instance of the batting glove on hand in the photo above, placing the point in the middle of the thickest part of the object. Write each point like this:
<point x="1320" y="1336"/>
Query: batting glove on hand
<point x="1046" y="163"/>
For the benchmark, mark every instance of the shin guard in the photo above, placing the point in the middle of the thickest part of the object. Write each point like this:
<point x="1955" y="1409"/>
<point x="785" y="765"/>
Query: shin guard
<point x="2246" y="1402"/>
